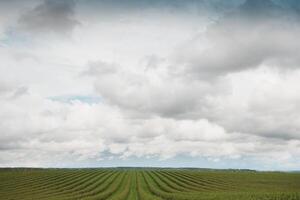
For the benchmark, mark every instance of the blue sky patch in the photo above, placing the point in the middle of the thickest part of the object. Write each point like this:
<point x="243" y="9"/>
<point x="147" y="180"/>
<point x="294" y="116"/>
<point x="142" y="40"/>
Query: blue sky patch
<point x="89" y="99"/>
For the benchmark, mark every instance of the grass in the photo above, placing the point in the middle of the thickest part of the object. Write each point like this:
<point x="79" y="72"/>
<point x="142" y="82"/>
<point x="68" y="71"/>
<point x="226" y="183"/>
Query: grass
<point x="147" y="184"/>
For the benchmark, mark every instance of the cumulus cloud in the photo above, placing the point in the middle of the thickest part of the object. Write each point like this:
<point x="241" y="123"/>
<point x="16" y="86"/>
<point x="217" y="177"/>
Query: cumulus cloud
<point x="150" y="91"/>
<point x="257" y="32"/>
<point x="33" y="125"/>
<point x="56" y="17"/>
<point x="252" y="92"/>
<point x="262" y="101"/>
<point x="79" y="132"/>
<point x="225" y="89"/>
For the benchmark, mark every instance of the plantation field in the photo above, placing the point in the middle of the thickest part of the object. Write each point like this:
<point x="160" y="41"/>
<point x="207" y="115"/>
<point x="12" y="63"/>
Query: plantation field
<point x="146" y="184"/>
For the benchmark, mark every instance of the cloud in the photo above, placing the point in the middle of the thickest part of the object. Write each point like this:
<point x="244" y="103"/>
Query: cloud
<point x="9" y="91"/>
<point x="152" y="91"/>
<point x="215" y="87"/>
<point x="80" y="132"/>
<point x="262" y="102"/>
<point x="37" y="127"/>
<point x="243" y="80"/>
<point x="252" y="113"/>
<point x="234" y="80"/>
<point x="257" y="32"/>
<point x="51" y="16"/>
<point x="4" y="88"/>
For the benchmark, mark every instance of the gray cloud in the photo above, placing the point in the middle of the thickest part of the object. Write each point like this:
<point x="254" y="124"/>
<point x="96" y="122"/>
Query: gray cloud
<point x="293" y="5"/>
<point x="99" y="68"/>
<point x="52" y="16"/>
<point x="229" y="92"/>
<point x="147" y="91"/>
<point x="243" y="52"/>
<point x="4" y="88"/>
<point x="80" y="132"/>
<point x="256" y="33"/>
<point x="10" y="91"/>
<point x="19" y="92"/>
<point x="196" y="7"/>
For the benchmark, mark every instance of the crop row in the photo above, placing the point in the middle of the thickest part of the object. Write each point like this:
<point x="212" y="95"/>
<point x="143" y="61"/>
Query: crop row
<point x="112" y="184"/>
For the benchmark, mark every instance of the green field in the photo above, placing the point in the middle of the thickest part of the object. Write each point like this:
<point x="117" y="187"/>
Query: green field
<point x="146" y="184"/>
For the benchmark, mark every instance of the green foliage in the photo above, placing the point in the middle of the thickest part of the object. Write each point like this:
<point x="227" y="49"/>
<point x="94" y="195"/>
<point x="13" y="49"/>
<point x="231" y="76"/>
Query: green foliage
<point x="147" y="184"/>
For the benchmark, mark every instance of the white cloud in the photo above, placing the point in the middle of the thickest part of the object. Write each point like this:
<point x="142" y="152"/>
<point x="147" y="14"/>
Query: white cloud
<point x="262" y="102"/>
<point x="226" y="90"/>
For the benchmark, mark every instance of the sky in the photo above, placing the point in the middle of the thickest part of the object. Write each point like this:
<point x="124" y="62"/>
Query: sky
<point x="161" y="83"/>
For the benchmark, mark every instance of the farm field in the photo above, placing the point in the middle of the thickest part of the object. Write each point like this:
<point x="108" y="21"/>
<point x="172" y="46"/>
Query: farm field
<point x="147" y="184"/>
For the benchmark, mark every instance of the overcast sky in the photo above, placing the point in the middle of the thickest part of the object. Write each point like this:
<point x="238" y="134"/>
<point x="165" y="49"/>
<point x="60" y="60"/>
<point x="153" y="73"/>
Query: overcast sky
<point x="195" y="83"/>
